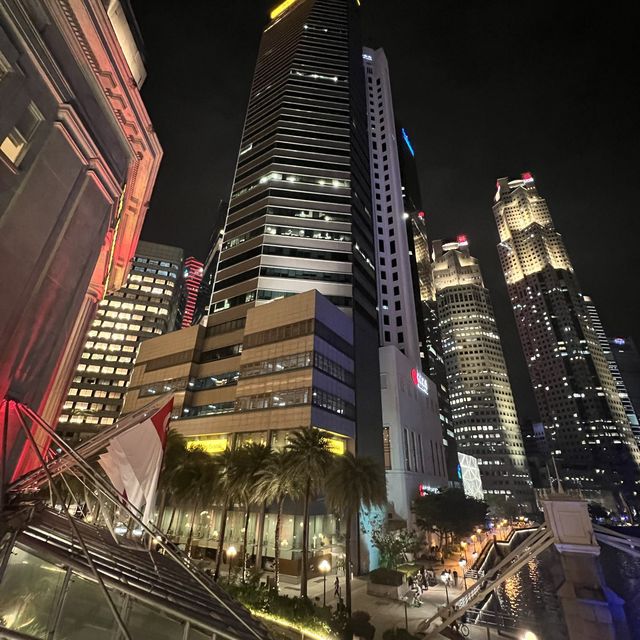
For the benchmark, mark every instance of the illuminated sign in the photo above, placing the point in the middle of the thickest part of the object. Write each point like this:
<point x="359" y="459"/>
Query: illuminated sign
<point x="213" y="444"/>
<point x="366" y="56"/>
<point x="425" y="489"/>
<point x="283" y="6"/>
<point x="619" y="341"/>
<point x="527" y="177"/>
<point x="420" y="381"/>
<point x="405" y="135"/>
<point x="421" y="214"/>
<point x="462" y="240"/>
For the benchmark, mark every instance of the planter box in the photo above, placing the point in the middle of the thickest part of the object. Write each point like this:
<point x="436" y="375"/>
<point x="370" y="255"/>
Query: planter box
<point x="385" y="590"/>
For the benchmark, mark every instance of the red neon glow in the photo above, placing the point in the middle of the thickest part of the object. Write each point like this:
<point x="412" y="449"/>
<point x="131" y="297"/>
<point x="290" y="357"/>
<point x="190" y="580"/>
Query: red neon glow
<point x="193" y="270"/>
<point x="420" y="214"/>
<point x="414" y="376"/>
<point x="527" y="177"/>
<point x="462" y="239"/>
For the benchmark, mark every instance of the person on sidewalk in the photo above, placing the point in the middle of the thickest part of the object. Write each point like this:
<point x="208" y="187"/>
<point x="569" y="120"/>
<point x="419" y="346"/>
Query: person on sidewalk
<point x="336" y="588"/>
<point x="455" y="578"/>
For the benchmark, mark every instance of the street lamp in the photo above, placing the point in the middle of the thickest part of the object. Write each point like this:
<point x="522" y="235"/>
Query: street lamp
<point x="445" y="576"/>
<point x="231" y="554"/>
<point x="529" y="635"/>
<point x="324" y="567"/>
<point x="463" y="563"/>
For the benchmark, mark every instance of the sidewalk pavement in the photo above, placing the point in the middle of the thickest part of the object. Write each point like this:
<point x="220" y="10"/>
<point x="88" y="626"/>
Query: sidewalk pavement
<point x="385" y="613"/>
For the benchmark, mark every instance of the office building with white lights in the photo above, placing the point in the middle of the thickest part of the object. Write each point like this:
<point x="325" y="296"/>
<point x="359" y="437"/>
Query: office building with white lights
<point x="584" y="419"/>
<point x="482" y="406"/>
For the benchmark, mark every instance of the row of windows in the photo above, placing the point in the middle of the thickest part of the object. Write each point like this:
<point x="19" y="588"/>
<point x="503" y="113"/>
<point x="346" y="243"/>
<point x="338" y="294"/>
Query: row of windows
<point x="287" y="212"/>
<point x="292" y="232"/>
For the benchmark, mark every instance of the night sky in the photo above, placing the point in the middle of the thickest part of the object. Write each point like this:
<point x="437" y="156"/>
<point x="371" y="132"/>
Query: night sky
<point x="485" y="88"/>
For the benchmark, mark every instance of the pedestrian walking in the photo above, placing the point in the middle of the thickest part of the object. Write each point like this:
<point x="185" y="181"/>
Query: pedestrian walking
<point x="336" y="588"/>
<point x="455" y="578"/>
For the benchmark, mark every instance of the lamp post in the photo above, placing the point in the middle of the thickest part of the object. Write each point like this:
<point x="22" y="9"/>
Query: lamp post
<point x="324" y="568"/>
<point x="529" y="635"/>
<point x="463" y="564"/>
<point x="231" y="554"/>
<point x="445" y="576"/>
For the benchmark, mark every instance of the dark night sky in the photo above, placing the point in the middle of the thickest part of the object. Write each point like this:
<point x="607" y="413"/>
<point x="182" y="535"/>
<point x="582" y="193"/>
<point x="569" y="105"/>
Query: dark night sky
<point x="486" y="88"/>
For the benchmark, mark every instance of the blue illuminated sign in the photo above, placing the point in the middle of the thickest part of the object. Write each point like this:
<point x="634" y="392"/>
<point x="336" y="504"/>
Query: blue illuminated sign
<point x="405" y="135"/>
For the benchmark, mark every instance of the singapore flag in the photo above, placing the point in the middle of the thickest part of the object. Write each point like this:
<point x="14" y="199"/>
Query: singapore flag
<point x="134" y="458"/>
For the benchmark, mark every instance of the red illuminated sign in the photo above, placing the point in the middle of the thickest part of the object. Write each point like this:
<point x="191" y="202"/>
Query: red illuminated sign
<point x="420" y="214"/>
<point x="462" y="239"/>
<point x="420" y="381"/>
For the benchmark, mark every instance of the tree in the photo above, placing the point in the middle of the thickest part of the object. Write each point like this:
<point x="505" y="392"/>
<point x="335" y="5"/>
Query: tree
<point x="351" y="483"/>
<point x="309" y="461"/>
<point x="273" y="485"/>
<point x="196" y="479"/>
<point x="450" y="512"/>
<point x="248" y="461"/>
<point x="393" y="545"/>
<point x="175" y="454"/>
<point x="225" y="462"/>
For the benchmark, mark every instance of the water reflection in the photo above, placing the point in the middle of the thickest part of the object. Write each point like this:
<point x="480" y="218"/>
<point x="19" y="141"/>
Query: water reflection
<point x="529" y="596"/>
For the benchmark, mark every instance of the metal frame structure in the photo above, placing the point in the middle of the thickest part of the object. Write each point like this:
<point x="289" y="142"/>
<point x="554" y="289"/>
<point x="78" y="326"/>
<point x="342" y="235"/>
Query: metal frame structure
<point x="171" y="583"/>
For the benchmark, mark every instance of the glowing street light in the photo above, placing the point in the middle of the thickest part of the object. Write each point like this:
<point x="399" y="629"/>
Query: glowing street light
<point x="231" y="554"/>
<point x="324" y="568"/>
<point x="529" y="635"/>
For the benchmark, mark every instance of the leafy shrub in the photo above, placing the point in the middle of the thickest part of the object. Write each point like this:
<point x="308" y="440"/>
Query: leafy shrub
<point x="389" y="577"/>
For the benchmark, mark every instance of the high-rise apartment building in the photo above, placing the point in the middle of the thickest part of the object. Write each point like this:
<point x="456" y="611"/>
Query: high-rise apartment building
<point x="300" y="209"/>
<point x="192" y="273"/>
<point x="145" y="307"/>
<point x="613" y="349"/>
<point x="627" y="358"/>
<point x="78" y="161"/>
<point x="413" y="444"/>
<point x="482" y="406"/>
<point x="577" y="400"/>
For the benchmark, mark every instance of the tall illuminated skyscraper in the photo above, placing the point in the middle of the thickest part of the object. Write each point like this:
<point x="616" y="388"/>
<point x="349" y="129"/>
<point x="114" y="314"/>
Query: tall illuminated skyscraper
<point x="300" y="209"/>
<point x="585" y="421"/>
<point x="145" y="307"/>
<point x="191" y="281"/>
<point x="482" y="407"/>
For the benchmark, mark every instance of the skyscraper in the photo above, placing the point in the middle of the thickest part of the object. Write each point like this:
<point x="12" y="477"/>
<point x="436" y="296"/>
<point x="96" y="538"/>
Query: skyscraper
<point x="415" y="455"/>
<point x="627" y="359"/>
<point x="300" y="213"/>
<point x="615" y="349"/>
<point x="145" y="307"/>
<point x="576" y="396"/>
<point x="482" y="407"/>
<point x="192" y="274"/>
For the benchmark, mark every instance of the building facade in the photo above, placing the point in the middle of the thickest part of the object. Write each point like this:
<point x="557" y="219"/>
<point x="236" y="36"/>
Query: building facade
<point x="410" y="415"/>
<point x="482" y="406"/>
<point x="299" y="213"/>
<point x="192" y="274"/>
<point x="578" y="404"/>
<point x="255" y="376"/>
<point x="145" y="307"/>
<point x="627" y="359"/>
<point x="78" y="161"/>
<point x="618" y="349"/>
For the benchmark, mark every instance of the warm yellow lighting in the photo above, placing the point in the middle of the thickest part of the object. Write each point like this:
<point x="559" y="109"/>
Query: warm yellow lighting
<point x="215" y="444"/>
<point x="529" y="635"/>
<point x="307" y="633"/>
<point x="337" y="445"/>
<point x="232" y="551"/>
<point x="283" y="6"/>
<point x="324" y="566"/>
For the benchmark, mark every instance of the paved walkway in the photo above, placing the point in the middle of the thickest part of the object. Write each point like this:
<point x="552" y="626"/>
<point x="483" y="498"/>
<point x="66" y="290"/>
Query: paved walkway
<point x="386" y="613"/>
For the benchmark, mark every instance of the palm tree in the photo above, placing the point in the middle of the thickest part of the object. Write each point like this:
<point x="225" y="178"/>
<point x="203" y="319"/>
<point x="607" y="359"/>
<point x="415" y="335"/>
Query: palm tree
<point x="273" y="485"/>
<point x="249" y="460"/>
<point x="175" y="455"/>
<point x="225" y="462"/>
<point x="196" y="479"/>
<point x="350" y="483"/>
<point x="310" y="457"/>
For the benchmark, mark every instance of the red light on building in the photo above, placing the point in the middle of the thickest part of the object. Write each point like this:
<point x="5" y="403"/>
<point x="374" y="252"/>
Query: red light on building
<point x="421" y="215"/>
<point x="527" y="177"/>
<point x="462" y="239"/>
<point x="193" y="270"/>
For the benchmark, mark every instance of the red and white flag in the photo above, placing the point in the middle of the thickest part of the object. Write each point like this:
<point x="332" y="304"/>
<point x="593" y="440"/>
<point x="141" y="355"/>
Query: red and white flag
<point x="134" y="458"/>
